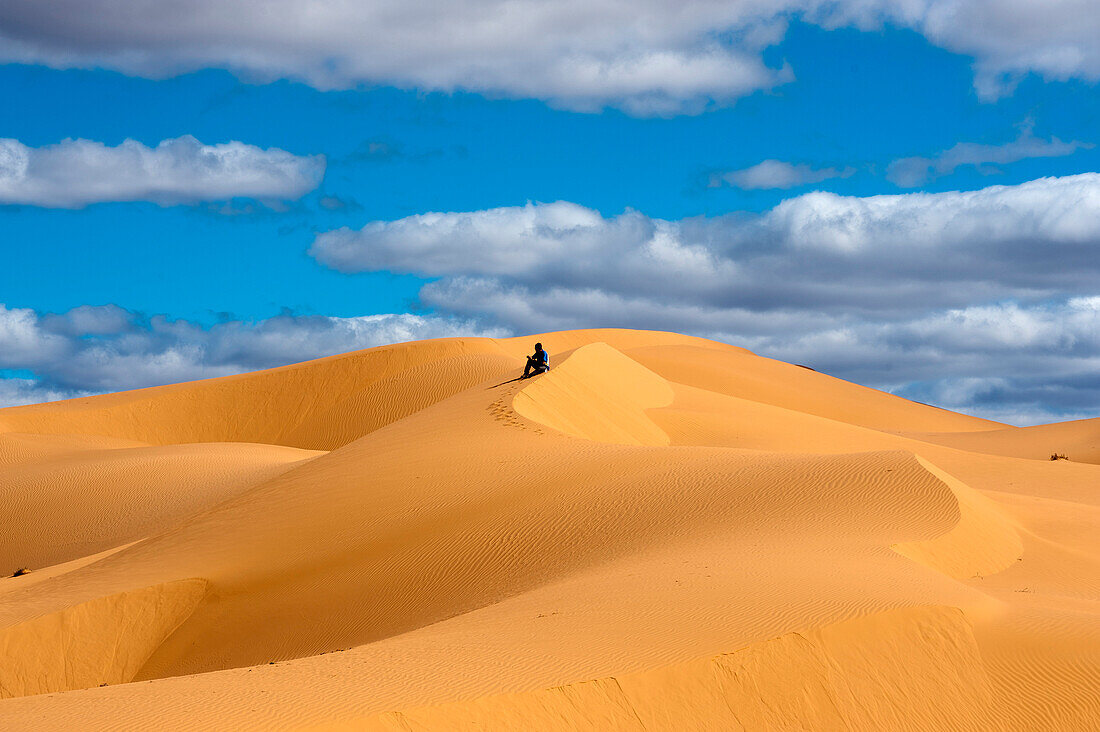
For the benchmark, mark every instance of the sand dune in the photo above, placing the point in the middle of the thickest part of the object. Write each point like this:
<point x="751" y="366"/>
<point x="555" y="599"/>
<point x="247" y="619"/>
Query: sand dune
<point x="70" y="503"/>
<point x="598" y="394"/>
<point x="1078" y="441"/>
<point x="919" y="653"/>
<point x="660" y="533"/>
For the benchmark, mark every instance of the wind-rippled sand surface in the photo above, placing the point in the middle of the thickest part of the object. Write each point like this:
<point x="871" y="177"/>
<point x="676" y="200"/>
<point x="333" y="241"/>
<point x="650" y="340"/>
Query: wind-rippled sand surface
<point x="662" y="533"/>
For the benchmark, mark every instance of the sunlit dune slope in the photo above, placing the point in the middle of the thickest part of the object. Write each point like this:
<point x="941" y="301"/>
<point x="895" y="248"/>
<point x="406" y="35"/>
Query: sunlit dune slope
<point x="69" y="502"/>
<point x="740" y="373"/>
<point x="925" y="653"/>
<point x="662" y="532"/>
<point x="1078" y="441"/>
<point x="598" y="394"/>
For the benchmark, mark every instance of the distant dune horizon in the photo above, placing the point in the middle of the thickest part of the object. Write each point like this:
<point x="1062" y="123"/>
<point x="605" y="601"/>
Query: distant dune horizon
<point x="662" y="532"/>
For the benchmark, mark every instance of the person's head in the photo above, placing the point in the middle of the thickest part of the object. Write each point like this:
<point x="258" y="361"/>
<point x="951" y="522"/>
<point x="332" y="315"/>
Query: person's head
<point x="538" y="347"/>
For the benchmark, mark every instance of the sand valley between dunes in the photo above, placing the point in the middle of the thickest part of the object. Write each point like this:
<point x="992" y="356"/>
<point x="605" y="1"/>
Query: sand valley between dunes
<point x="661" y="533"/>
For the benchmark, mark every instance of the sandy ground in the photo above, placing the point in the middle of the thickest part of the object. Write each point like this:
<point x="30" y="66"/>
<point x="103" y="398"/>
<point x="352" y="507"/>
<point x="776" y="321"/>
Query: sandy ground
<point x="661" y="533"/>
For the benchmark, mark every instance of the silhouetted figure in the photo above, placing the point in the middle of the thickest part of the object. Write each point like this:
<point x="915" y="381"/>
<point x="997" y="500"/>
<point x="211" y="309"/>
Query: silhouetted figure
<point x="537" y="363"/>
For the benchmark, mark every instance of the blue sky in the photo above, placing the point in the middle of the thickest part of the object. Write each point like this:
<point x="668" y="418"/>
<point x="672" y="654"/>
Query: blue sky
<point x="195" y="269"/>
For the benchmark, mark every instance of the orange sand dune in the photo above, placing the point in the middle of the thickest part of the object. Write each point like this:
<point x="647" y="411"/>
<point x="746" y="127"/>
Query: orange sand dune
<point x="1078" y="441"/>
<point x="70" y="503"/>
<point x="660" y="533"/>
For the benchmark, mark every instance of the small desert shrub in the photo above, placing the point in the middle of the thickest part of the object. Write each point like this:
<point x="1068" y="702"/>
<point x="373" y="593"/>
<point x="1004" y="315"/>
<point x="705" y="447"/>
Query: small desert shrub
<point x="1058" y="456"/>
<point x="20" y="572"/>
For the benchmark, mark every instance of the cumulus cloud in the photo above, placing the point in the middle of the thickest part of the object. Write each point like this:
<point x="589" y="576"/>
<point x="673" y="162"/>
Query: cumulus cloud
<point x="75" y="173"/>
<point x="15" y="392"/>
<point x="646" y="57"/>
<point x="1006" y="38"/>
<point x="1009" y="38"/>
<point x="821" y="250"/>
<point x="907" y="292"/>
<point x="777" y="174"/>
<point x="915" y="171"/>
<point x="107" y="348"/>
<point x="1022" y="364"/>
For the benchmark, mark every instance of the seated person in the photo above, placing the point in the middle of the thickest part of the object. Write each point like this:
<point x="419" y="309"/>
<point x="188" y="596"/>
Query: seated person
<point x="538" y="363"/>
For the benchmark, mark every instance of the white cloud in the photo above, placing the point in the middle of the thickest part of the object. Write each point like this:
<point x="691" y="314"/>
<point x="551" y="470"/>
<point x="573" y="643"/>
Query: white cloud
<point x="1009" y="38"/>
<point x="647" y="57"/>
<point x="818" y="249"/>
<point x="1006" y="38"/>
<point x="1057" y="212"/>
<point x="494" y="241"/>
<point x="912" y="172"/>
<point x="15" y="392"/>
<point x="75" y="173"/>
<point x="23" y="343"/>
<point x="777" y="174"/>
<point x="644" y="56"/>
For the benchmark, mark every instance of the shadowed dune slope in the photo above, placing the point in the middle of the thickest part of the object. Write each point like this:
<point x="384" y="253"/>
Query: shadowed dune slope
<point x="659" y="533"/>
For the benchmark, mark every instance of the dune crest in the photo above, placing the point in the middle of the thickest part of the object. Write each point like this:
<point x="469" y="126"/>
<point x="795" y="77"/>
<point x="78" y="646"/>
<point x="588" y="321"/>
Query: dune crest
<point x="598" y="394"/>
<point x="983" y="542"/>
